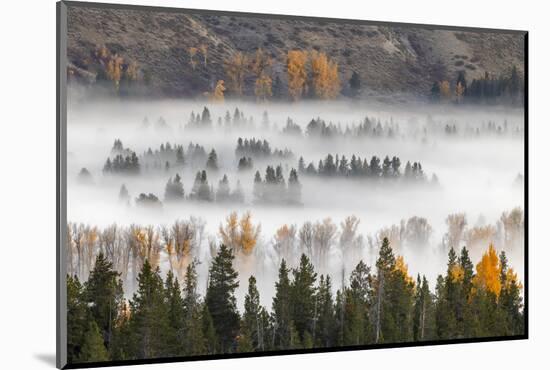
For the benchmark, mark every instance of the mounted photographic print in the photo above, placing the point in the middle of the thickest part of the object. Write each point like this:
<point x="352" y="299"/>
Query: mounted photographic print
<point x="234" y="184"/>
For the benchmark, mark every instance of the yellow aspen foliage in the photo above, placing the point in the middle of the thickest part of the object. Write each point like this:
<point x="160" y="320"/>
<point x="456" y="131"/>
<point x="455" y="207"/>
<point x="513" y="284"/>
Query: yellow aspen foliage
<point x="511" y="278"/>
<point x="488" y="272"/>
<point x="239" y="235"/>
<point x="114" y="70"/>
<point x="230" y="231"/>
<point x="132" y="71"/>
<point x="192" y="53"/>
<point x="401" y="267"/>
<point x="459" y="91"/>
<point x="236" y="67"/>
<point x="219" y="90"/>
<point x="445" y="89"/>
<point x="457" y="273"/>
<point x="297" y="73"/>
<point x="326" y="82"/>
<point x="249" y="234"/>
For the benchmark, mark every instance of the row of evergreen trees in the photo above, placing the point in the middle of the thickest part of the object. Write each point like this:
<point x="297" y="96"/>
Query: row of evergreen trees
<point x="384" y="305"/>
<point x="202" y="190"/>
<point x="257" y="148"/>
<point x="127" y="165"/>
<point x="335" y="166"/>
<point x="273" y="189"/>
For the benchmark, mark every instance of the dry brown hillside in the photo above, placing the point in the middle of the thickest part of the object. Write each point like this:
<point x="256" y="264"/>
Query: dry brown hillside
<point x="388" y="59"/>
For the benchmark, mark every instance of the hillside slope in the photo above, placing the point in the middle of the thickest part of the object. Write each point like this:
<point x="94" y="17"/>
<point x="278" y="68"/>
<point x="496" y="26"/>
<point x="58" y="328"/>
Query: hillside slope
<point x="389" y="60"/>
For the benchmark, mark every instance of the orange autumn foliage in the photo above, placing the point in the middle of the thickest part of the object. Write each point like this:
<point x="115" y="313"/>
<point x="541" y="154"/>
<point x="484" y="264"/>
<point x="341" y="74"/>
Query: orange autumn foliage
<point x="402" y="267"/>
<point x="488" y="272"/>
<point x="297" y="73"/>
<point x="326" y="82"/>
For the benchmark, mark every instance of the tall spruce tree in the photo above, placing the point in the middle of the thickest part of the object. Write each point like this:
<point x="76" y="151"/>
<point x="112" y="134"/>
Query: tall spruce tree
<point x="149" y="322"/>
<point x="104" y="296"/>
<point x="221" y="301"/>
<point x="303" y="292"/>
<point x="281" y="310"/>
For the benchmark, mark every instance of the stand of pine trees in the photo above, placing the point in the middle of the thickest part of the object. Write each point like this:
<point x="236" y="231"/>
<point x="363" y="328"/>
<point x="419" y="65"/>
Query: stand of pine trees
<point x="379" y="305"/>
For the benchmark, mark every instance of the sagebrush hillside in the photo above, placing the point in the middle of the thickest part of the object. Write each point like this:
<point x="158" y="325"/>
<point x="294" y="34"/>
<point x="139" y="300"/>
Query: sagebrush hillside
<point x="184" y="54"/>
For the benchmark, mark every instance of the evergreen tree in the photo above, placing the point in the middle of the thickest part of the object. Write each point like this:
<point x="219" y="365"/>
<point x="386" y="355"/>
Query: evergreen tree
<point x="223" y="192"/>
<point x="252" y="328"/>
<point x="221" y="301"/>
<point x="193" y="342"/>
<point x="149" y="316"/>
<point x="324" y="325"/>
<point x="104" y="296"/>
<point x="175" y="315"/>
<point x="77" y="318"/>
<point x="93" y="349"/>
<point x="294" y="193"/>
<point x="174" y="189"/>
<point x="212" y="161"/>
<point x="303" y="292"/>
<point x="282" y="315"/>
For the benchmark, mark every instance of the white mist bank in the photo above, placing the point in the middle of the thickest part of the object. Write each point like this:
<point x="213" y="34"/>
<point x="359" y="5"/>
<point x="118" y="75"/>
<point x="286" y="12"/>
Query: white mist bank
<point x="476" y="174"/>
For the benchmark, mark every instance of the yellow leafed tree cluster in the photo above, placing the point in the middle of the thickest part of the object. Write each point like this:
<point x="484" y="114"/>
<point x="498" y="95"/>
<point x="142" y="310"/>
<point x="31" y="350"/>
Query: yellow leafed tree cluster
<point x="326" y="82"/>
<point x="115" y="67"/>
<point x="488" y="272"/>
<point x="239" y="235"/>
<point x="297" y="73"/>
<point x="402" y="267"/>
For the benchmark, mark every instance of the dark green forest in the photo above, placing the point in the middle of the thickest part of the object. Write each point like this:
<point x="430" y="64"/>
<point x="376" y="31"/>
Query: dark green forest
<point x="383" y="304"/>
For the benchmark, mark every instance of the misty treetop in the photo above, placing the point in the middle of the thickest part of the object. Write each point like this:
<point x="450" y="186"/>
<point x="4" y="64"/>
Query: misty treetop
<point x="258" y="148"/>
<point x="376" y="304"/>
<point x="355" y="167"/>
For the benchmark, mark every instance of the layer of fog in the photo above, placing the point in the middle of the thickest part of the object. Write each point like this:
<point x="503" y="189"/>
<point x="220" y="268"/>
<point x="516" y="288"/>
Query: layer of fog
<point x="476" y="175"/>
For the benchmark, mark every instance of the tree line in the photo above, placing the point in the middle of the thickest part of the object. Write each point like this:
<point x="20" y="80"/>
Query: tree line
<point x="335" y="166"/>
<point x="506" y="87"/>
<point x="273" y="188"/>
<point x="378" y="304"/>
<point x="260" y="149"/>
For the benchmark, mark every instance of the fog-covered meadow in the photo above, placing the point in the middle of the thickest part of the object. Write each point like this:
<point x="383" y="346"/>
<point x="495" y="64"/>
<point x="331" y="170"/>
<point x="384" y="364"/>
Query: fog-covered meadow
<point x="475" y="152"/>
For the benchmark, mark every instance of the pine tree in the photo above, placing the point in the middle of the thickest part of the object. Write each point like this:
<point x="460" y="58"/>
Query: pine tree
<point x="103" y="292"/>
<point x="175" y="315"/>
<point x="252" y="326"/>
<point x="149" y="316"/>
<point x="221" y="301"/>
<point x="93" y="349"/>
<point x="324" y="325"/>
<point x="281" y="310"/>
<point x="303" y="292"/>
<point x="294" y="194"/>
<point x="212" y="161"/>
<point x="77" y="318"/>
<point x="223" y="192"/>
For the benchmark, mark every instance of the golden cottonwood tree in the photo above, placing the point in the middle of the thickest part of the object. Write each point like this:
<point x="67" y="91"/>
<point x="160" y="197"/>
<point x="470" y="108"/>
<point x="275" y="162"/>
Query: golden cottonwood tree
<point x="488" y="272"/>
<point x="297" y="73"/>
<point x="239" y="235"/>
<point x="326" y="82"/>
<point x="235" y="69"/>
<point x="219" y="91"/>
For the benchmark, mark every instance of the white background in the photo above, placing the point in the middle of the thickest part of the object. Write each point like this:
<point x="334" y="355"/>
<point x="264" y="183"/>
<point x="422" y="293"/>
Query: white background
<point x="27" y="182"/>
